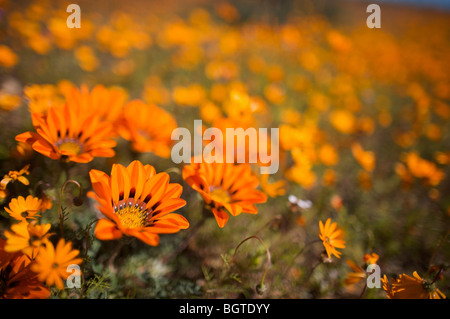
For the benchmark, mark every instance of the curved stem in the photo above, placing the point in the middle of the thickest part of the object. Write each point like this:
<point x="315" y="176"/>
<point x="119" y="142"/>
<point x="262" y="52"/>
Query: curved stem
<point x="269" y="258"/>
<point x="60" y="209"/>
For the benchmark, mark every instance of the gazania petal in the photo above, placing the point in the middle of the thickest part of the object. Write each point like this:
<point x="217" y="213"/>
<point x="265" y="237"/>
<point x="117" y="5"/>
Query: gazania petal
<point x="136" y="172"/>
<point x="169" y="205"/>
<point x="221" y="217"/>
<point x="106" y="230"/>
<point x="115" y="183"/>
<point x="147" y="237"/>
<point x="156" y="187"/>
<point x="168" y="224"/>
<point x="100" y="183"/>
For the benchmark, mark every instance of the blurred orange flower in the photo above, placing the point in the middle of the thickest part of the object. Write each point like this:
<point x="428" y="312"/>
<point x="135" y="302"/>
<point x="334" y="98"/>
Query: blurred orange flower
<point x="275" y="93"/>
<point x="227" y="187"/>
<point x="365" y="158"/>
<point x="23" y="209"/>
<point x="328" y="155"/>
<point x="107" y="103"/>
<point x="15" y="176"/>
<point x="422" y="168"/>
<point x="192" y="95"/>
<point x="27" y="238"/>
<point x="137" y="202"/>
<point x="359" y="272"/>
<point x="7" y="57"/>
<point x="86" y="58"/>
<point x="277" y="188"/>
<point x="227" y="11"/>
<point x="365" y="180"/>
<point x="343" y="121"/>
<point x="9" y="102"/>
<point x="371" y="259"/>
<point x="51" y="262"/>
<point x="210" y="112"/>
<point x="42" y="97"/>
<point x="148" y="135"/>
<point x="17" y="279"/>
<point x="155" y="92"/>
<point x="336" y="202"/>
<point x="70" y="134"/>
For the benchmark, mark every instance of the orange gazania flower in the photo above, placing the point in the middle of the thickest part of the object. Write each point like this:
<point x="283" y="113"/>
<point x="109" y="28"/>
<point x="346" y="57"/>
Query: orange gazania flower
<point x="407" y="287"/>
<point x="51" y="263"/>
<point x="227" y="187"/>
<point x="106" y="103"/>
<point x="331" y="237"/>
<point x="17" y="280"/>
<point x="148" y="135"/>
<point x="23" y="209"/>
<point x="137" y="202"/>
<point x="70" y="134"/>
<point x="27" y="238"/>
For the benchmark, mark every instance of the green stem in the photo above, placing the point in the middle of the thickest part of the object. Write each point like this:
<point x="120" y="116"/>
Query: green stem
<point x="269" y="258"/>
<point x="60" y="208"/>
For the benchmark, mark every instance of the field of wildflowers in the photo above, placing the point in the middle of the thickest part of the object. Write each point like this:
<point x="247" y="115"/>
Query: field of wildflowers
<point x="92" y="204"/>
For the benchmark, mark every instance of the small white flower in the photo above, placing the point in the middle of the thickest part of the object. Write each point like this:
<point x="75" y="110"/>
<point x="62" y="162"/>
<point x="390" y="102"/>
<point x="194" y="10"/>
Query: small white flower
<point x="292" y="199"/>
<point x="305" y="204"/>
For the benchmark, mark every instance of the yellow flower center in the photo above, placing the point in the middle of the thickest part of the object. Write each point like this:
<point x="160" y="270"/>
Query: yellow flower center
<point x="131" y="214"/>
<point x="70" y="147"/>
<point x="220" y="195"/>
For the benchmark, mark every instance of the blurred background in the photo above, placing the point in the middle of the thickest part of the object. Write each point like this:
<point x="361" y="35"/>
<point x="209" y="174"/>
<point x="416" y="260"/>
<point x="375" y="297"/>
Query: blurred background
<point x="364" y="130"/>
